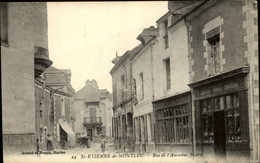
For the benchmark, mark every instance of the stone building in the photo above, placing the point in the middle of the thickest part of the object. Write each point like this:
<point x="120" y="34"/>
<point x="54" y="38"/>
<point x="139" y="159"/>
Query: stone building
<point x="93" y="109"/>
<point x="24" y="56"/>
<point x="200" y="75"/>
<point x="223" y="39"/>
<point x="143" y="91"/>
<point x="122" y="101"/>
<point x="172" y="96"/>
<point x="58" y="116"/>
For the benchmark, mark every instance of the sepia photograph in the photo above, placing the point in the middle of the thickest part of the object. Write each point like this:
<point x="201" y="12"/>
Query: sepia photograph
<point x="130" y="81"/>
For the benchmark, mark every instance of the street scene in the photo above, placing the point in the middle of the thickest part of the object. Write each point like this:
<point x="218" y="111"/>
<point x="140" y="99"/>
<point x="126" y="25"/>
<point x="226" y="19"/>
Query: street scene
<point x="147" y="81"/>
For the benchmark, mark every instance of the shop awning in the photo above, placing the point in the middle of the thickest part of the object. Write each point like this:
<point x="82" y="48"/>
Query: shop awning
<point x="71" y="134"/>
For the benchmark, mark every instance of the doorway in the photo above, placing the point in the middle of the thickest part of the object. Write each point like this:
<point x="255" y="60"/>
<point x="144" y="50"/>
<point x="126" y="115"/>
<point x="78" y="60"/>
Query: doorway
<point x="89" y="133"/>
<point x="219" y="134"/>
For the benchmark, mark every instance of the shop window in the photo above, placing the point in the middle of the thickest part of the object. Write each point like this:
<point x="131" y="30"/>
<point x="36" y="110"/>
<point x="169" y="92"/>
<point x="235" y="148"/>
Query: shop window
<point x="207" y="123"/>
<point x="174" y="125"/>
<point x="235" y="100"/>
<point x="228" y="103"/>
<point x="233" y="125"/>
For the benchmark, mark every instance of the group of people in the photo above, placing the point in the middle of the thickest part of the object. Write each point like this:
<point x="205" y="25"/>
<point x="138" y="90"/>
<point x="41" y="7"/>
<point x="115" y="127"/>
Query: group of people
<point x="84" y="142"/>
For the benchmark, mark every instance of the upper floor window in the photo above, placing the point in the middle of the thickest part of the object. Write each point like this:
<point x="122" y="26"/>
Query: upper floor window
<point x="168" y="73"/>
<point x="4" y="34"/>
<point x="214" y="54"/>
<point x="166" y="42"/>
<point x="62" y="107"/>
<point x="141" y="85"/>
<point x="122" y="86"/>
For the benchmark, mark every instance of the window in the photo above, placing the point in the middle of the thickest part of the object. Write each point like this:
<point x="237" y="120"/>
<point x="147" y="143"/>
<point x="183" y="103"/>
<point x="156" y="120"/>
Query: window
<point x="62" y="107"/>
<point x="92" y="112"/>
<point x="166" y="41"/>
<point x="214" y="59"/>
<point x="174" y="125"/>
<point x="4" y="32"/>
<point x="168" y="73"/>
<point x="122" y="86"/>
<point x="228" y="103"/>
<point x="141" y="86"/>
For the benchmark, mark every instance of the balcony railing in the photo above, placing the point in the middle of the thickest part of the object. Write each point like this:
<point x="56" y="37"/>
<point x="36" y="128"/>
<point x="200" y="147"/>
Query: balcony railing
<point x="92" y="120"/>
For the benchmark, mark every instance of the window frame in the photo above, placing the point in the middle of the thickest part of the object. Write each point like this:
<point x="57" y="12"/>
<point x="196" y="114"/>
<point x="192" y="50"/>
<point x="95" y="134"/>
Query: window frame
<point x="165" y="37"/>
<point x="226" y="110"/>
<point x="214" y="43"/>
<point x="174" y="125"/>
<point x="167" y="61"/>
<point x="141" y="76"/>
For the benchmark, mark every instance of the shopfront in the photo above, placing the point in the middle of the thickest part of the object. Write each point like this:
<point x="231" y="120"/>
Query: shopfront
<point x="221" y="114"/>
<point x="173" y="128"/>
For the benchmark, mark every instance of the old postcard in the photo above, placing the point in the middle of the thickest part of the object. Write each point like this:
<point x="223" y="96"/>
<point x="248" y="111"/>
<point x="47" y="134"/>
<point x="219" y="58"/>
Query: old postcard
<point x="145" y="81"/>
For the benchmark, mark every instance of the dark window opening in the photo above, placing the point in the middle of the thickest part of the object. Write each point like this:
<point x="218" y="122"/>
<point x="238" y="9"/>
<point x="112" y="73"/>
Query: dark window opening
<point x="4" y="21"/>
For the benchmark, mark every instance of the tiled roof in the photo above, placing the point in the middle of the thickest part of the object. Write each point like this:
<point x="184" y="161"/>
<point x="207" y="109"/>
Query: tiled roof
<point x="58" y="77"/>
<point x="88" y="94"/>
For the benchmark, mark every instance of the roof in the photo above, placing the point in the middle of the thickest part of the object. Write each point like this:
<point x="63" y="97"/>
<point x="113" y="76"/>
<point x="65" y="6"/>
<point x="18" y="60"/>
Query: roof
<point x="147" y="34"/>
<point x="122" y="59"/>
<point x="55" y="77"/>
<point x="88" y="94"/>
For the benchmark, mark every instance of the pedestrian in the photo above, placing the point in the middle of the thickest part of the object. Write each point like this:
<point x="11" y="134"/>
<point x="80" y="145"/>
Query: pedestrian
<point x="84" y="141"/>
<point x="103" y="143"/>
<point x="49" y="143"/>
<point x="89" y="139"/>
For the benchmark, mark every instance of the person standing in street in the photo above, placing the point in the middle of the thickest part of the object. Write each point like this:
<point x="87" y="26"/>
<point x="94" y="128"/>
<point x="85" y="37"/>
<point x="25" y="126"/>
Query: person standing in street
<point x="103" y="143"/>
<point x="49" y="143"/>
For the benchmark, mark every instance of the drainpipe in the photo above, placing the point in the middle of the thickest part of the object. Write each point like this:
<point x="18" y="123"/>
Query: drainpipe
<point x="193" y="129"/>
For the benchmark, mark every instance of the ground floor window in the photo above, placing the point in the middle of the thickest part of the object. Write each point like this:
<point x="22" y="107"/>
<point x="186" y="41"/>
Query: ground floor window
<point x="230" y="105"/>
<point x="174" y="124"/>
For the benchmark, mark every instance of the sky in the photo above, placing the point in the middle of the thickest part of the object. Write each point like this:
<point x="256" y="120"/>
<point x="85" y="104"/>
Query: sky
<point x="84" y="36"/>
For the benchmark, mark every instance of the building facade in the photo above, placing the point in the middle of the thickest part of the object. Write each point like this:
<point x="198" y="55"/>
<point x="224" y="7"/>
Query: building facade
<point x="93" y="109"/>
<point x="172" y="96"/>
<point x="224" y="78"/>
<point x="122" y="103"/>
<point x="24" y="56"/>
<point x="61" y="116"/>
<point x="143" y="91"/>
<point x="200" y="75"/>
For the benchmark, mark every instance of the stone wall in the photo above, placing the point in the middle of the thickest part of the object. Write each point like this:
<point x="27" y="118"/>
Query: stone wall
<point x="27" y="28"/>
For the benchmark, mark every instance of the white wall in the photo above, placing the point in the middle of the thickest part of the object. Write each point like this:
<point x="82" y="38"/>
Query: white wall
<point x="179" y="64"/>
